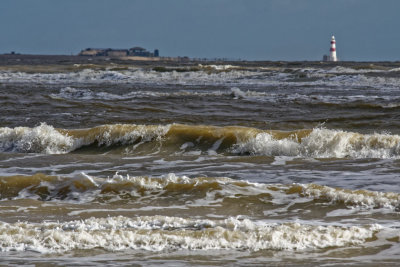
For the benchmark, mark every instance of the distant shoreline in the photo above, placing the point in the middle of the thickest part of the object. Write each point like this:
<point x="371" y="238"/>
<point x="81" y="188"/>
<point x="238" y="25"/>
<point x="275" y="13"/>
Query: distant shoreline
<point x="26" y="59"/>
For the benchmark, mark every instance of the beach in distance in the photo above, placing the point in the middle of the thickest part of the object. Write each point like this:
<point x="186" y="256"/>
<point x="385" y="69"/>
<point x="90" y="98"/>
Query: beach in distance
<point x="176" y="162"/>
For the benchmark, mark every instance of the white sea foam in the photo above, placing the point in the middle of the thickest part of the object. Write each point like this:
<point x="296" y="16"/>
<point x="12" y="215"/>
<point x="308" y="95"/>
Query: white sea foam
<point x="86" y="94"/>
<point x="353" y="197"/>
<point x="40" y="139"/>
<point x="158" y="233"/>
<point x="394" y="70"/>
<point x="141" y="76"/>
<point x="219" y="67"/>
<point x="127" y="134"/>
<point x="239" y="94"/>
<point x="324" y="143"/>
<point x="344" y="70"/>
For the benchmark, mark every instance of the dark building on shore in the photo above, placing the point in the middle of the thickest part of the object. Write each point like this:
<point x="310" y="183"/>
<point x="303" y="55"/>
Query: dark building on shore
<point x="116" y="53"/>
<point x="109" y="52"/>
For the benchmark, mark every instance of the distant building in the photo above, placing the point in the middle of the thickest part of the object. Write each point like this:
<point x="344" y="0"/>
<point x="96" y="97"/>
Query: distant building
<point x="93" y="52"/>
<point x="332" y="52"/>
<point x="141" y="52"/>
<point x="135" y="51"/>
<point x="117" y="53"/>
<point x="332" y="55"/>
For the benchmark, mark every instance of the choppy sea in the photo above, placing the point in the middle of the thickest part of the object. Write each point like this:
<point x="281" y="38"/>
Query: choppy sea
<point x="200" y="165"/>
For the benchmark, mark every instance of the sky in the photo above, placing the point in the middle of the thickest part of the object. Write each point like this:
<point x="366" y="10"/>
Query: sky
<point x="365" y="30"/>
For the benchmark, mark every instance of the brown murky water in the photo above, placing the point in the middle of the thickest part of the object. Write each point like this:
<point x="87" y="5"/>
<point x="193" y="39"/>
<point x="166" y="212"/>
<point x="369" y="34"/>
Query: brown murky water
<point x="260" y="163"/>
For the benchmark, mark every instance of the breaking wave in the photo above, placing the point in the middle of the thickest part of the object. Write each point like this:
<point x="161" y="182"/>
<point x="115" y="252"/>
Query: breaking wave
<point x="178" y="138"/>
<point x="213" y="75"/>
<point x="359" y="101"/>
<point x="344" y="100"/>
<point x="324" y="143"/>
<point x="86" y="94"/>
<point x="47" y="139"/>
<point x="84" y="188"/>
<point x="200" y="76"/>
<point x="40" y="139"/>
<point x="156" y="233"/>
<point x="70" y="93"/>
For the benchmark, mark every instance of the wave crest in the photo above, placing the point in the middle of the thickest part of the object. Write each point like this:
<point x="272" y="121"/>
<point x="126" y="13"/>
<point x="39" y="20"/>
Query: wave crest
<point x="40" y="139"/>
<point x="46" y="139"/>
<point x="85" y="188"/>
<point x="323" y="143"/>
<point x="178" y="138"/>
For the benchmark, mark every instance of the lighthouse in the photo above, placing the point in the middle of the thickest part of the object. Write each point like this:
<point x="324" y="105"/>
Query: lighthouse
<point x="332" y="54"/>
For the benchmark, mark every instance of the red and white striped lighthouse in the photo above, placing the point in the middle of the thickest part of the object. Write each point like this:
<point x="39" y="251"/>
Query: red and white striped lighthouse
<point x="332" y="55"/>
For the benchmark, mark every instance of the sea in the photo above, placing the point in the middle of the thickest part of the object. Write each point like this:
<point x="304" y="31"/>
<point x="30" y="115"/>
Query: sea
<point x="116" y="163"/>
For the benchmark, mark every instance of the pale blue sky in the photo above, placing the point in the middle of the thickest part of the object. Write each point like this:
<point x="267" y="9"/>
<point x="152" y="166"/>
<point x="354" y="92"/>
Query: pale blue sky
<point x="246" y="29"/>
